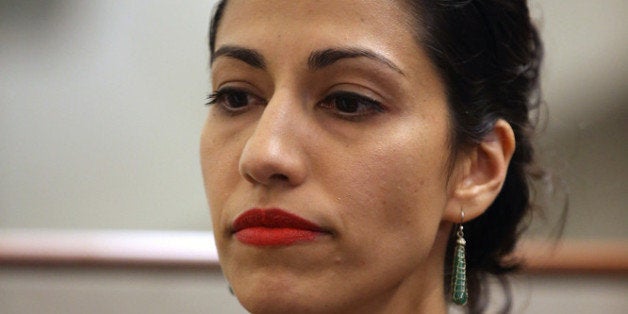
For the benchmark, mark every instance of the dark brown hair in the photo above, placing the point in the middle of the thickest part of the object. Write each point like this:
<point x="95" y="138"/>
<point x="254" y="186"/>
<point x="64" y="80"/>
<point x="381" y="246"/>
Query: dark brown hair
<point x="488" y="53"/>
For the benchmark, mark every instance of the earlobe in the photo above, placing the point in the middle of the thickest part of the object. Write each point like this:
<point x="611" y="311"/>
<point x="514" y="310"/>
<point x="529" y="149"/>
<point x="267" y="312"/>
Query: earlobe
<point x="482" y="174"/>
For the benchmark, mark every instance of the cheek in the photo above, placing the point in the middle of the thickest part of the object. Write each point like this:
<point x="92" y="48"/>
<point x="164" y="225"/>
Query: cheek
<point x="219" y="162"/>
<point x="398" y="178"/>
<point x="392" y="196"/>
<point x="402" y="197"/>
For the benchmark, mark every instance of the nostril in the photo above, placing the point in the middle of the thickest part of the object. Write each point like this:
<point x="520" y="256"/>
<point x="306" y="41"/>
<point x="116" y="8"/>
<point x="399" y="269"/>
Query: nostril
<point x="249" y="178"/>
<point x="279" y="177"/>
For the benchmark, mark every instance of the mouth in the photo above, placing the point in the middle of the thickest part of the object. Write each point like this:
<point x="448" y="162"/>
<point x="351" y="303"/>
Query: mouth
<point x="274" y="227"/>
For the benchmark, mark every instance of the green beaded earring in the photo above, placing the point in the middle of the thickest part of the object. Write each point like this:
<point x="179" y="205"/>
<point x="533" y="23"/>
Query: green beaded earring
<point x="459" y="277"/>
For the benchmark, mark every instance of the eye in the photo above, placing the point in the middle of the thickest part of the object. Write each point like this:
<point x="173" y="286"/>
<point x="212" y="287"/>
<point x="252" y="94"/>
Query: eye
<point x="350" y="105"/>
<point x="233" y="100"/>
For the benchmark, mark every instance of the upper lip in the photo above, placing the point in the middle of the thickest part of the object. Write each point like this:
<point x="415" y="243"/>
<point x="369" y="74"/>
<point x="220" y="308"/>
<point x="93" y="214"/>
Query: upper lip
<point x="273" y="218"/>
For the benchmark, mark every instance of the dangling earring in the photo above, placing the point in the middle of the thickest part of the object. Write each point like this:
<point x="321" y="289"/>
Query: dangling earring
<point x="459" y="277"/>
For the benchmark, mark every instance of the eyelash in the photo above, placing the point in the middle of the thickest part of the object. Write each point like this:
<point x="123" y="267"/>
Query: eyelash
<point x="362" y="105"/>
<point x="365" y="105"/>
<point x="221" y="97"/>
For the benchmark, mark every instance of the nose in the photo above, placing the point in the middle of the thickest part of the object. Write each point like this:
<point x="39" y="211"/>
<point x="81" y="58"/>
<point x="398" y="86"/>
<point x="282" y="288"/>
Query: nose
<point x="274" y="153"/>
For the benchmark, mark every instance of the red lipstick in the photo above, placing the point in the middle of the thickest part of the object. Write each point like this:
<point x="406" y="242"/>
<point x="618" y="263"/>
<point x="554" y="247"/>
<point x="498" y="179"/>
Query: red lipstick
<point x="273" y="227"/>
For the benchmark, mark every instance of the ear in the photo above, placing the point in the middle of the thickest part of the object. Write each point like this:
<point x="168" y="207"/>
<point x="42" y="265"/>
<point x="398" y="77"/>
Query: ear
<point x="480" y="174"/>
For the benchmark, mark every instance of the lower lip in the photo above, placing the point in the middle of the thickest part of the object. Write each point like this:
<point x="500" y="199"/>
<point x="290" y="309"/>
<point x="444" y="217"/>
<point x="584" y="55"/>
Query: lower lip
<point x="262" y="236"/>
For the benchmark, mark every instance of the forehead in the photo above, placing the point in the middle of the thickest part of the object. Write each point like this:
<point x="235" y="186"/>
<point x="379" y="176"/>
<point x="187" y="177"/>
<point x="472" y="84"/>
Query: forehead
<point x="285" y="33"/>
<point x="338" y="10"/>
<point x="311" y="23"/>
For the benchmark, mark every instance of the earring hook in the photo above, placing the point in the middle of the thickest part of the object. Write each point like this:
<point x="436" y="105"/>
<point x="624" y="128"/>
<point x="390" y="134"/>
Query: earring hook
<point x="461" y="216"/>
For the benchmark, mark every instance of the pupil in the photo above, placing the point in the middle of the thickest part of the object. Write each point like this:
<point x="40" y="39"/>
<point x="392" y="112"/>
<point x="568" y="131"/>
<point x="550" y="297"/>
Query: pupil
<point x="237" y="99"/>
<point x="347" y="104"/>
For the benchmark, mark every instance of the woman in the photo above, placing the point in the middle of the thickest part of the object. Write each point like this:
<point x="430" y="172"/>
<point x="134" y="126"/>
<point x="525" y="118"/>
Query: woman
<point x="347" y="140"/>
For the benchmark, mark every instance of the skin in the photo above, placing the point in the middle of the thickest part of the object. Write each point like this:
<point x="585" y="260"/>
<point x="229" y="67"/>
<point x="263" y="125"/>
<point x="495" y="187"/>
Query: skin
<point x="378" y="180"/>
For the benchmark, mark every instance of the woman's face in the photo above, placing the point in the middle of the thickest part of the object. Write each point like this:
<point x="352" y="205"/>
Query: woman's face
<point x="329" y="111"/>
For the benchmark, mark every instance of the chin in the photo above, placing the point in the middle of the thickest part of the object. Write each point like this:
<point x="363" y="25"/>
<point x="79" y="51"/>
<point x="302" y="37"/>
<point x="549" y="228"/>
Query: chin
<point x="271" y="306"/>
<point x="267" y="300"/>
<point x="272" y="293"/>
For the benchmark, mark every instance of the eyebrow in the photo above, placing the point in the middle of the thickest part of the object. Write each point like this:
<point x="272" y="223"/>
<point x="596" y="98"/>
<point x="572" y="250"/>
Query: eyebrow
<point x="322" y="58"/>
<point x="317" y="60"/>
<point x="246" y="55"/>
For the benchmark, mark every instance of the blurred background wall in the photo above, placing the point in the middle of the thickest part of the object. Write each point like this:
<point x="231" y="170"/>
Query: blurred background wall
<point x="101" y="106"/>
